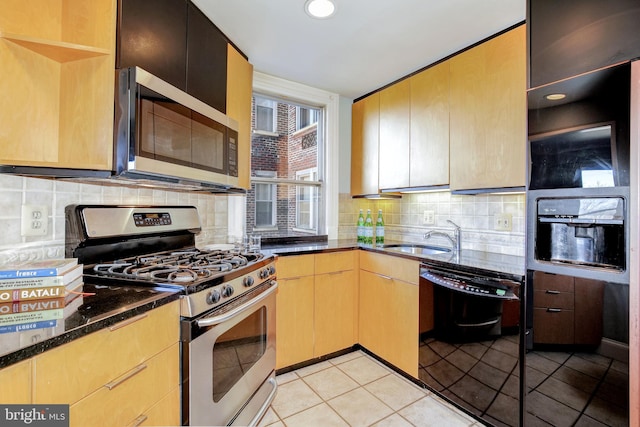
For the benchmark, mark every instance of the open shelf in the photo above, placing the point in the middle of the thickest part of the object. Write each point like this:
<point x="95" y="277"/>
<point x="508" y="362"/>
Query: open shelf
<point x="56" y="50"/>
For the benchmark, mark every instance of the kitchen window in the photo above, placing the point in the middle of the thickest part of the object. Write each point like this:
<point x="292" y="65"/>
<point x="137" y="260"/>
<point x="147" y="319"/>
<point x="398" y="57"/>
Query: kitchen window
<point x="287" y="195"/>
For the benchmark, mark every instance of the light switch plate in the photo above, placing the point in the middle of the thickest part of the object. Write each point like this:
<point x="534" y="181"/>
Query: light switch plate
<point x="502" y="222"/>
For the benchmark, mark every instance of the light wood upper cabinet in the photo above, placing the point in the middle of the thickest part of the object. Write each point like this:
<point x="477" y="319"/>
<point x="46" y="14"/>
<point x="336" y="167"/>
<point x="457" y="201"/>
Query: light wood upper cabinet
<point x="239" y="93"/>
<point x="394" y="148"/>
<point x="57" y="66"/>
<point x="429" y="150"/>
<point x="488" y="114"/>
<point x="365" y="122"/>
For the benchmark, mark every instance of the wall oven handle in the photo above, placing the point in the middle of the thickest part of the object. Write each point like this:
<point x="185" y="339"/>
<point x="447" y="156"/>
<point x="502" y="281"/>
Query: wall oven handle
<point x="214" y="320"/>
<point x="267" y="402"/>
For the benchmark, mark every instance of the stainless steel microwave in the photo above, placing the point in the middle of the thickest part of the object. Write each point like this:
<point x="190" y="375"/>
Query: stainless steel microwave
<point x="164" y="134"/>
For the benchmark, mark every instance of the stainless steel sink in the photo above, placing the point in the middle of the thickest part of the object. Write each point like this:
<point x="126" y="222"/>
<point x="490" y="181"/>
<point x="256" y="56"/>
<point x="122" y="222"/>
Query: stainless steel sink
<point x="416" y="249"/>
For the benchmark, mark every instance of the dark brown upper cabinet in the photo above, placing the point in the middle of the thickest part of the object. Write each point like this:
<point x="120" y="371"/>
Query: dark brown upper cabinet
<point x="152" y="34"/>
<point x="206" y="60"/>
<point x="175" y="41"/>
<point x="571" y="37"/>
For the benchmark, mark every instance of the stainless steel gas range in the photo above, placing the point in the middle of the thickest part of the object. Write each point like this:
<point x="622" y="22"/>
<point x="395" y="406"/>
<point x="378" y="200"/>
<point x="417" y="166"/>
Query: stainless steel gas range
<point x="227" y="307"/>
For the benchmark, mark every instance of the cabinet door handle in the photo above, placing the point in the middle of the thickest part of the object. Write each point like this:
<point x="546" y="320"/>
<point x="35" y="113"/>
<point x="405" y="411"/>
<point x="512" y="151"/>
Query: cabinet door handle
<point x="138" y="421"/>
<point x="548" y="291"/>
<point x="135" y="371"/>
<point x="554" y="310"/>
<point x="127" y="322"/>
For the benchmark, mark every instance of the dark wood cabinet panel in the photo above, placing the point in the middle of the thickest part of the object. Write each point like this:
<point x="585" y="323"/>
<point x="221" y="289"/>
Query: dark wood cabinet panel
<point x="570" y="37"/>
<point x="175" y="41"/>
<point x="206" y="60"/>
<point x="152" y="34"/>
<point x="567" y="310"/>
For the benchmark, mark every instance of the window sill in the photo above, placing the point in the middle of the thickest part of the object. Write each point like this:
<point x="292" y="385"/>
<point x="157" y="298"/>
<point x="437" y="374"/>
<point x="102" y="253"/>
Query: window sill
<point x="265" y="133"/>
<point x="305" y="230"/>
<point x="265" y="229"/>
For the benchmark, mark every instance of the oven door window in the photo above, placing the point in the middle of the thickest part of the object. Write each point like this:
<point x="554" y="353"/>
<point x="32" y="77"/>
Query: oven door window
<point x="237" y="350"/>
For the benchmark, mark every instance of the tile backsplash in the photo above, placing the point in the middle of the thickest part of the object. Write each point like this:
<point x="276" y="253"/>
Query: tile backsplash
<point x="16" y="191"/>
<point x="404" y="218"/>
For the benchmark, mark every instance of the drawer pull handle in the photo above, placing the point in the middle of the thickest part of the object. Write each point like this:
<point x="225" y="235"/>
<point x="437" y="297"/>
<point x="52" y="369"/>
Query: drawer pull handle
<point x="115" y="383"/>
<point x="552" y="292"/>
<point x="554" y="310"/>
<point x="138" y="421"/>
<point x="385" y="277"/>
<point x="127" y="322"/>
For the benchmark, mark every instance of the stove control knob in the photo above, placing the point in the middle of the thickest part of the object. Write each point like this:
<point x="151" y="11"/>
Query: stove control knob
<point x="272" y="269"/>
<point x="227" y="291"/>
<point x="213" y="297"/>
<point x="248" y="281"/>
<point x="264" y="273"/>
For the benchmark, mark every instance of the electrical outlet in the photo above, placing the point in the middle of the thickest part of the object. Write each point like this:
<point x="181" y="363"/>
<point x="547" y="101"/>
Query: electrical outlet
<point x="35" y="220"/>
<point x="502" y="222"/>
<point x="429" y="217"/>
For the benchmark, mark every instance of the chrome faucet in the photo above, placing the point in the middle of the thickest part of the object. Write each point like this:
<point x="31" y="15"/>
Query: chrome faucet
<point x="455" y="240"/>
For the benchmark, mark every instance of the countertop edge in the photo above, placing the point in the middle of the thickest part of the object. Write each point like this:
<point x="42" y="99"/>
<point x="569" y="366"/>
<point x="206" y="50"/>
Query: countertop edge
<point x="337" y="246"/>
<point x="76" y="333"/>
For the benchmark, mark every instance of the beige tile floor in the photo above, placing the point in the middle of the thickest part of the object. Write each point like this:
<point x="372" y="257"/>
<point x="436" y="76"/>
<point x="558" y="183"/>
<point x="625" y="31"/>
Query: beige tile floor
<point x="356" y="390"/>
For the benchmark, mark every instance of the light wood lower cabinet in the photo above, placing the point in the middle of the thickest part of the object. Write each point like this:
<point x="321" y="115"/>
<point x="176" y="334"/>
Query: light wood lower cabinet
<point x="112" y="376"/>
<point x="316" y="303"/>
<point x="388" y="309"/>
<point x="15" y="383"/>
<point x="125" y="400"/>
<point x="294" y="313"/>
<point x="328" y="302"/>
<point x="335" y="302"/>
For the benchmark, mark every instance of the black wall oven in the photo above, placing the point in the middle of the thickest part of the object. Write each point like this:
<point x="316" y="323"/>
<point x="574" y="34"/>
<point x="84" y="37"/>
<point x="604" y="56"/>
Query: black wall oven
<point x="577" y="244"/>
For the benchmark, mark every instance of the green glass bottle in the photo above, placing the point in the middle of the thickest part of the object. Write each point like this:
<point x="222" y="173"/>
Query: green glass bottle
<point x="379" y="229"/>
<point x="368" y="229"/>
<point x="360" y="227"/>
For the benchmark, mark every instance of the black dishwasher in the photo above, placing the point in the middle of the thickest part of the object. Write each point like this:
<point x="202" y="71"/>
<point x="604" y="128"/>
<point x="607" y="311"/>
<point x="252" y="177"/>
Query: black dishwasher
<point x="469" y="353"/>
<point x="467" y="306"/>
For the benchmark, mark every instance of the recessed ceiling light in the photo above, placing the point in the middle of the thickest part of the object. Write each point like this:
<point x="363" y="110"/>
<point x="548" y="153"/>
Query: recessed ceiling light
<point x="319" y="8"/>
<point x="555" y="96"/>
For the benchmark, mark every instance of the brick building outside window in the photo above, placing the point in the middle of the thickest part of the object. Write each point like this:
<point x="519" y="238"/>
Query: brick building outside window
<point x="286" y="196"/>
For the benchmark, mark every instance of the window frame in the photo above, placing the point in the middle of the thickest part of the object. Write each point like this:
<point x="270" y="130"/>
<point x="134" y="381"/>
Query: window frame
<point x="265" y="102"/>
<point x="274" y="200"/>
<point x="312" y="226"/>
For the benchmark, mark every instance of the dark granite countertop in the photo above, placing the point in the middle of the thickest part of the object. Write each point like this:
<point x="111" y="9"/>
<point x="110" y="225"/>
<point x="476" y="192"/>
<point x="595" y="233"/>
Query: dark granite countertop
<point x="506" y="266"/>
<point x="99" y="307"/>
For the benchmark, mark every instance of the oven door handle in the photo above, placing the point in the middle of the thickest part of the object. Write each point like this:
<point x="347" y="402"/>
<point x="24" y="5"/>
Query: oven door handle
<point x="214" y="320"/>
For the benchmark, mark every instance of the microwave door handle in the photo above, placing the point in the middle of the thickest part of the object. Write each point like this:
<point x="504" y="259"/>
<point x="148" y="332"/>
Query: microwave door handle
<point x="214" y="320"/>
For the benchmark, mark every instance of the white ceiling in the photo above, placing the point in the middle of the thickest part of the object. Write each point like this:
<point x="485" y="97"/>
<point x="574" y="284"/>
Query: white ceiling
<point x="366" y="44"/>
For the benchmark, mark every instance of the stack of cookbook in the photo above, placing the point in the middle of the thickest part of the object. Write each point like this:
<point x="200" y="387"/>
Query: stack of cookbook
<point x="35" y="295"/>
